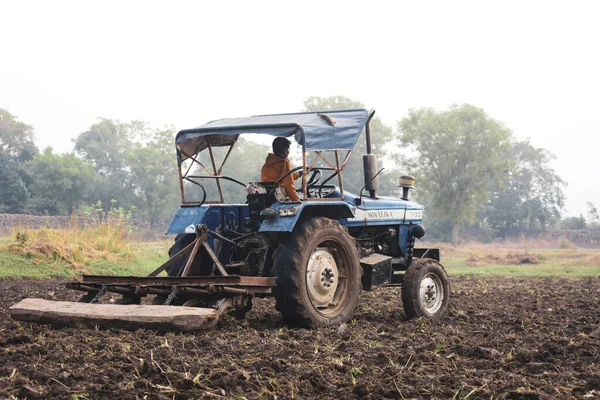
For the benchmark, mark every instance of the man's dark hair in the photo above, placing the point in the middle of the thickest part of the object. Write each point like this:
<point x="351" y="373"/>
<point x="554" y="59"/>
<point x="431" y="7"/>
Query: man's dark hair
<point x="280" y="144"/>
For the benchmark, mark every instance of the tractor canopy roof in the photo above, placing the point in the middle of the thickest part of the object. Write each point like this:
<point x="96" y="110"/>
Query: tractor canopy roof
<point x="317" y="131"/>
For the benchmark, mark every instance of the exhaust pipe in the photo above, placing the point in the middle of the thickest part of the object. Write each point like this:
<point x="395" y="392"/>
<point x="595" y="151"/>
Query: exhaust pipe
<point x="370" y="163"/>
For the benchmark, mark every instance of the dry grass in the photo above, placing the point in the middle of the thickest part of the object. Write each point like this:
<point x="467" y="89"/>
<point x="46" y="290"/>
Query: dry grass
<point x="524" y="258"/>
<point x="509" y="259"/>
<point x="78" y="246"/>
<point x="508" y="252"/>
<point x="593" y="261"/>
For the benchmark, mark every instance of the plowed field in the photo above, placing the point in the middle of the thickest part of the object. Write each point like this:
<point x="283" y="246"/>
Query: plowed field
<point x="503" y="338"/>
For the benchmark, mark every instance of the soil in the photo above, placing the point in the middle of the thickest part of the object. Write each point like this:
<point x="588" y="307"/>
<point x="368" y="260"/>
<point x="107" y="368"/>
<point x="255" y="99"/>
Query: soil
<point x="502" y="339"/>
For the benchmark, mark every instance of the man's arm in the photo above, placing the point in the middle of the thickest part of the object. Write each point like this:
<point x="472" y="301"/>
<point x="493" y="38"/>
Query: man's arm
<point x="288" y="182"/>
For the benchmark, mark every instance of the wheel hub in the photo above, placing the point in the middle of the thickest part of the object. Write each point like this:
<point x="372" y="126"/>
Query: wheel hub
<point x="322" y="277"/>
<point x="431" y="293"/>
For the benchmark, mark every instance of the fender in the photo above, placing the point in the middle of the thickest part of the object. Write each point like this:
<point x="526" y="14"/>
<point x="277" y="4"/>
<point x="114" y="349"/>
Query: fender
<point x="288" y="214"/>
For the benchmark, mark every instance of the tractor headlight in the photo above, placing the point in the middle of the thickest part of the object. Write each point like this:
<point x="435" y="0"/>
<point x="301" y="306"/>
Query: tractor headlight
<point x="267" y="213"/>
<point x="417" y="231"/>
<point x="288" y="211"/>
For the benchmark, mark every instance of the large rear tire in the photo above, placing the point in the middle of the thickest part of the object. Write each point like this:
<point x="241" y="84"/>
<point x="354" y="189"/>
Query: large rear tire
<point x="318" y="274"/>
<point x="425" y="290"/>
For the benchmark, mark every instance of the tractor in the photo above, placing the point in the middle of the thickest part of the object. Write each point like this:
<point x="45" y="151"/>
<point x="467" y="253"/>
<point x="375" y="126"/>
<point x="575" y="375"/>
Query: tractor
<point x="313" y="256"/>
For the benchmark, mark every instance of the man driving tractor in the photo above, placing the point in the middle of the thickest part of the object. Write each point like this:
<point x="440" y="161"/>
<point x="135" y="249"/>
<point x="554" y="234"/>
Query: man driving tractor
<point x="277" y="164"/>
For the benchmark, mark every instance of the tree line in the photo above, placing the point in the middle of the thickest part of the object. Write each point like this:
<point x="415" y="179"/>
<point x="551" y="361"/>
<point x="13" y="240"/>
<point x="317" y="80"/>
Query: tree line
<point x="128" y="166"/>
<point x="471" y="172"/>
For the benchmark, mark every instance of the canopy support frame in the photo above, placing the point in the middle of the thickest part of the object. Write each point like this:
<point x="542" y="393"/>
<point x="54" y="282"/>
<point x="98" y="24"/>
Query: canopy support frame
<point x="215" y="173"/>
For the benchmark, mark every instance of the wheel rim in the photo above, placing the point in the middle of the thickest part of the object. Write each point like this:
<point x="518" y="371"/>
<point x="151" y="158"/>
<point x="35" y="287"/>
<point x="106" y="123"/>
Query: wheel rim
<point x="322" y="278"/>
<point x="431" y="293"/>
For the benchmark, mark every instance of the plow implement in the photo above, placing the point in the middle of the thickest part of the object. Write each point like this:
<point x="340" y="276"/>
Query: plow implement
<point x="202" y="301"/>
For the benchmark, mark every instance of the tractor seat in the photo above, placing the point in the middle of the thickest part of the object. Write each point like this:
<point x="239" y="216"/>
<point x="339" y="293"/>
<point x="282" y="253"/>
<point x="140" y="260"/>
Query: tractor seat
<point x="260" y="196"/>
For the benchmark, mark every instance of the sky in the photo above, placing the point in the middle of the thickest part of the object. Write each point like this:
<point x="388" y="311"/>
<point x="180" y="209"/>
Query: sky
<point x="534" y="65"/>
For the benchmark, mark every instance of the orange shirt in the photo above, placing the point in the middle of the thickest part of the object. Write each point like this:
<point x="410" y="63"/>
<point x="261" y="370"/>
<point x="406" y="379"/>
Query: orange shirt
<point x="275" y="167"/>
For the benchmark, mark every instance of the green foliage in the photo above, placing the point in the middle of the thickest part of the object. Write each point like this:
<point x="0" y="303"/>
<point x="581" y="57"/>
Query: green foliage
<point x="593" y="218"/>
<point x="60" y="183"/>
<point x="13" y="189"/>
<point x="592" y="213"/>
<point x="354" y="373"/>
<point x="532" y="198"/>
<point x="459" y="155"/>
<point x="16" y="147"/>
<point x="135" y="168"/>
<point x="16" y="138"/>
<point x="574" y="223"/>
<point x="106" y="145"/>
<point x="153" y="170"/>
<point x="98" y="213"/>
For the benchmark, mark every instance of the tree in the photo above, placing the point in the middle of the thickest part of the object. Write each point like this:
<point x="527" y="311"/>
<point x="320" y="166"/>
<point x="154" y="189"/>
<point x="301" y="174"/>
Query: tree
<point x="153" y="168"/>
<point x="59" y="182"/>
<point x="592" y="212"/>
<point x="574" y="223"/>
<point x="16" y="147"/>
<point x="593" y="217"/>
<point x="105" y="145"/>
<point x="532" y="198"/>
<point x="381" y="143"/>
<point x="459" y="155"/>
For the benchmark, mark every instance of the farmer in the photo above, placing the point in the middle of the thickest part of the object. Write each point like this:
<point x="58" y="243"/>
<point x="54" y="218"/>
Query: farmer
<point x="277" y="165"/>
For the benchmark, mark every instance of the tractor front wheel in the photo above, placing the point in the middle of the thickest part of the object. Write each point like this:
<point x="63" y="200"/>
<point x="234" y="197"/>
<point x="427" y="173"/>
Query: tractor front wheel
<point x="425" y="290"/>
<point x="318" y="274"/>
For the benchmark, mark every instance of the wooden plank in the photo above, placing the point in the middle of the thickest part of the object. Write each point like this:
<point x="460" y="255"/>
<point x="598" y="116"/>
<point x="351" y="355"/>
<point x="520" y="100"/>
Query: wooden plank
<point x="130" y="316"/>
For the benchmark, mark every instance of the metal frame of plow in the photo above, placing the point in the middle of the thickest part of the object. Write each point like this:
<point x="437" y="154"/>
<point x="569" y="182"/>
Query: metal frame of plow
<point x="231" y="285"/>
<point x="192" y="249"/>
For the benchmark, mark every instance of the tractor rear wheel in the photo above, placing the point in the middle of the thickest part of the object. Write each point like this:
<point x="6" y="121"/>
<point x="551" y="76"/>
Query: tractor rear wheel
<point x="425" y="290"/>
<point x="318" y="274"/>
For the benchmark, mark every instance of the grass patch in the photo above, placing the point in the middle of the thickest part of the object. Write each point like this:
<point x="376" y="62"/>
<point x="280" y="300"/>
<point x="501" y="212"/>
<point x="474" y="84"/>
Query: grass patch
<point x="56" y="253"/>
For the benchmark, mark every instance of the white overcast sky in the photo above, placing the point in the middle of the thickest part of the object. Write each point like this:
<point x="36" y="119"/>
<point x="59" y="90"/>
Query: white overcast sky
<point x="535" y="65"/>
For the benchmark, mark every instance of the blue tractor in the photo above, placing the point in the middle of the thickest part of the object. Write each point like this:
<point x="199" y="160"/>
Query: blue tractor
<point x="314" y="255"/>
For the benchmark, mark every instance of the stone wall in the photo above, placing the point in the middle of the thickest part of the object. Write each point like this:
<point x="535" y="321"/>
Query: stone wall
<point x="580" y="238"/>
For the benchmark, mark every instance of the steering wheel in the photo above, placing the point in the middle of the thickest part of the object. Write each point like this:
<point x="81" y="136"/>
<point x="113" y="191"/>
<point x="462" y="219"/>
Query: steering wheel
<point x="314" y="179"/>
